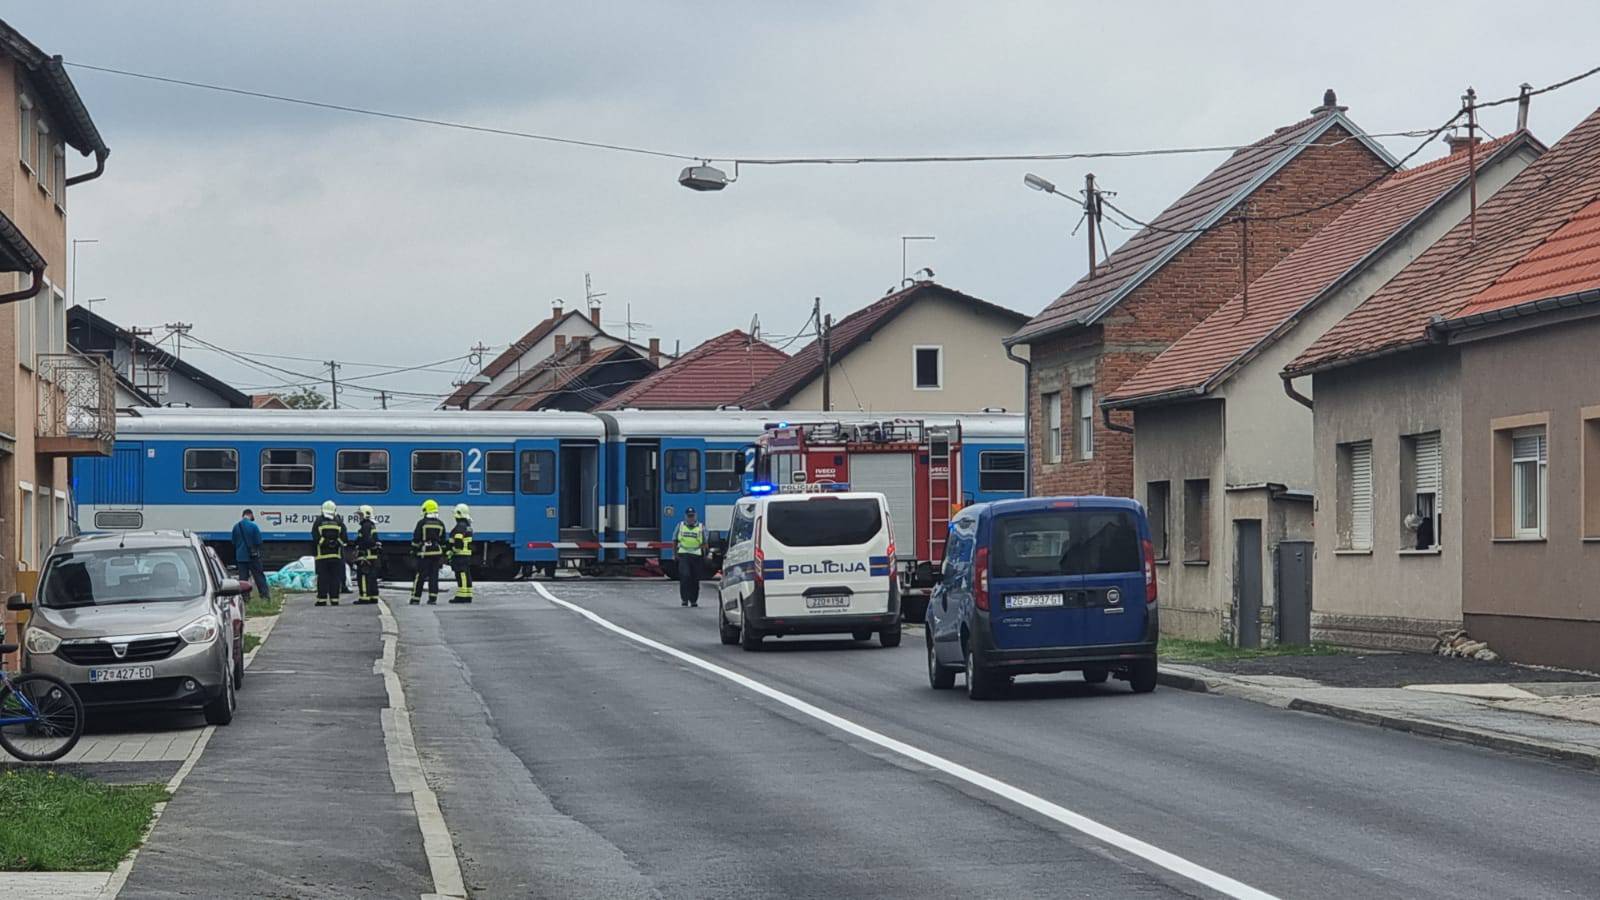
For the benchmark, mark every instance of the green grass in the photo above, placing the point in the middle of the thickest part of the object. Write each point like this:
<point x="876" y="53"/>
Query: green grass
<point x="62" y="823"/>
<point x="1179" y="650"/>
<point x="251" y="641"/>
<point x="264" y="606"/>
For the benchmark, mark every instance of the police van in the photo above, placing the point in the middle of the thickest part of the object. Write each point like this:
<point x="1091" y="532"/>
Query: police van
<point x="809" y="559"/>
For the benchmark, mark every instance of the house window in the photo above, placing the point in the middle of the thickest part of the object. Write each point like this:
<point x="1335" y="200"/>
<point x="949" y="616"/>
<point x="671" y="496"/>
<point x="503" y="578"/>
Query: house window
<point x="1354" y="513"/>
<point x="538" y="471"/>
<point x="25" y="543"/>
<point x="1197" y="520"/>
<point x="1157" y="502"/>
<point x="1083" y="419"/>
<point x="361" y="471"/>
<point x="1591" y="473"/>
<point x="1000" y="470"/>
<point x="1052" y="424"/>
<point x="58" y="321"/>
<point x="59" y="174"/>
<point x="683" y="471"/>
<point x="211" y="470"/>
<point x="25" y="130"/>
<point x="1529" y="462"/>
<point x="41" y="153"/>
<point x="499" y="471"/>
<point x="436" y="471"/>
<point x="927" y="365"/>
<point x="288" y="469"/>
<point x="1422" y="490"/>
<point x="722" y="471"/>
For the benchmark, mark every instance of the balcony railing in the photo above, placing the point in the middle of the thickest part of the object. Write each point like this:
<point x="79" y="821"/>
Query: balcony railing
<point x="77" y="405"/>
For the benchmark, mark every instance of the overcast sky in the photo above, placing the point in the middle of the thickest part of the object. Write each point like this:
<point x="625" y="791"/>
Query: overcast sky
<point x="304" y="232"/>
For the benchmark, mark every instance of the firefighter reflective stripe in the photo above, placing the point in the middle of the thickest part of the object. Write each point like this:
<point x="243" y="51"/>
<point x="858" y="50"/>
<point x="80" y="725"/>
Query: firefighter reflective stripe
<point x="461" y="541"/>
<point x="691" y="538"/>
<point x="330" y="539"/>
<point x="429" y="538"/>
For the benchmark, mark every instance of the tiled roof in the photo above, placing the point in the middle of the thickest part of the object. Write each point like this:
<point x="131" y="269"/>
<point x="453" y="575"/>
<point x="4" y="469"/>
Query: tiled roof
<point x="1567" y="262"/>
<point x="717" y="371"/>
<point x="553" y="375"/>
<point x="1198" y="361"/>
<point x="848" y="333"/>
<point x="267" y="401"/>
<point x="508" y="356"/>
<point x="1206" y="202"/>
<point x="1456" y="269"/>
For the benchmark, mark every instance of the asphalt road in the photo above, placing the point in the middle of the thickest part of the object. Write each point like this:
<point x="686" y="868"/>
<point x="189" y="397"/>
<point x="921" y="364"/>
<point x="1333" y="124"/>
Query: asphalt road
<point x="571" y="761"/>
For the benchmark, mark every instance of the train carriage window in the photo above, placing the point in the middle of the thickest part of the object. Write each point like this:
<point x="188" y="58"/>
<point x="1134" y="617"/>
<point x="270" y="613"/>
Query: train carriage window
<point x="1000" y="470"/>
<point x="500" y="471"/>
<point x="211" y="470"/>
<point x="538" y="471"/>
<point x="722" y="471"/>
<point x="288" y="469"/>
<point x="361" y="471"/>
<point x="436" y="471"/>
<point x="683" y="471"/>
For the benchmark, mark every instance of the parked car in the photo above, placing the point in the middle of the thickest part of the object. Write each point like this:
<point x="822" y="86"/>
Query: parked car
<point x="1048" y="584"/>
<point x="138" y="619"/>
<point x="236" y="604"/>
<point x="809" y="563"/>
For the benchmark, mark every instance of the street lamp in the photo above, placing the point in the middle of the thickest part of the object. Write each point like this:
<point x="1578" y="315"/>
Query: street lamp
<point x="1039" y="184"/>
<point x="706" y="177"/>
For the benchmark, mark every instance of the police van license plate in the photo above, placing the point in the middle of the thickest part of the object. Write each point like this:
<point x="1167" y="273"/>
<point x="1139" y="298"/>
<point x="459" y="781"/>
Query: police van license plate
<point x="123" y="673"/>
<point x="1034" y="601"/>
<point x="828" y="601"/>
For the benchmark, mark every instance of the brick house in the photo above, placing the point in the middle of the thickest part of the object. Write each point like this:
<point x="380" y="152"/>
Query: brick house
<point x="1166" y="279"/>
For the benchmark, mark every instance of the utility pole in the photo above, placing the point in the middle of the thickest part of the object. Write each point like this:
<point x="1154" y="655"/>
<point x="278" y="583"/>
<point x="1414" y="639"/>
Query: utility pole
<point x="1091" y="209"/>
<point x="1469" y="101"/>
<point x="383" y="399"/>
<point x="179" y="329"/>
<point x="333" y="379"/>
<point x="825" y="338"/>
<point x="135" y="334"/>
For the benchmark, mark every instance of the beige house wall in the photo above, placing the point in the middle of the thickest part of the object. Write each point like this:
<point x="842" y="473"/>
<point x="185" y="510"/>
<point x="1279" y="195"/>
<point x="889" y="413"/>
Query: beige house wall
<point x="878" y="374"/>
<point x="1176" y="444"/>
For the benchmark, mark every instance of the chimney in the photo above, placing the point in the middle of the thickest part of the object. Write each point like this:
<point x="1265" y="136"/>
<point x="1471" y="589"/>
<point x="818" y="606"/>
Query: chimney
<point x="1459" y="142"/>
<point x="1523" y="96"/>
<point x="557" y="309"/>
<point x="583" y="343"/>
<point x="561" y="343"/>
<point x="1330" y="103"/>
<point x="655" y="352"/>
<point x="594" y="315"/>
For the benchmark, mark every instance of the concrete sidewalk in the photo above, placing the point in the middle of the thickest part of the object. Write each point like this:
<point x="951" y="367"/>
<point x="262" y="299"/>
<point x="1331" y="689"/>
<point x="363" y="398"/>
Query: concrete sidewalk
<point x="1553" y="719"/>
<point x="294" y="798"/>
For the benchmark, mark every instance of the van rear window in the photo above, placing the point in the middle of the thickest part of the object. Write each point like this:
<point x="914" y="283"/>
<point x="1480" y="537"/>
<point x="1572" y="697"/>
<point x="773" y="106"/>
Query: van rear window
<point x="1066" y="542"/>
<point x="824" y="521"/>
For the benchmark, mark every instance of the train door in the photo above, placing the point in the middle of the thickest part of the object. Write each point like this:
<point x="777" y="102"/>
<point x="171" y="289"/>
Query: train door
<point x="682" y="484"/>
<point x="579" y="475"/>
<point x="537" y="507"/>
<point x="642" y="490"/>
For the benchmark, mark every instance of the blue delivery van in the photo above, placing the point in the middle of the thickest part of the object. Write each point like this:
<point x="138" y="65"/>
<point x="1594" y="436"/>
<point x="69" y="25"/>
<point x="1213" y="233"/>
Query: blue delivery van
<point x="1045" y="584"/>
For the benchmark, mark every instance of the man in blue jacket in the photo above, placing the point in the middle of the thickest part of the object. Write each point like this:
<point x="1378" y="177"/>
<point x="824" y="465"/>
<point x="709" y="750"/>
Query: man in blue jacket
<point x="247" y="552"/>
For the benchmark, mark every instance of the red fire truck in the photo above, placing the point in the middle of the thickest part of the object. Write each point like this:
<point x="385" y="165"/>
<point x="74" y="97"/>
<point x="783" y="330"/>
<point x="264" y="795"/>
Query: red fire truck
<point x="916" y="466"/>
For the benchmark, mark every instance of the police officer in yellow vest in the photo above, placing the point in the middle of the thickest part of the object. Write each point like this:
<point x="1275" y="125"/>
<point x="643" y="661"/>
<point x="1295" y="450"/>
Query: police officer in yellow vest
<point x="427" y="546"/>
<point x="689" y="545"/>
<point x="461" y="554"/>
<point x="328" y="540"/>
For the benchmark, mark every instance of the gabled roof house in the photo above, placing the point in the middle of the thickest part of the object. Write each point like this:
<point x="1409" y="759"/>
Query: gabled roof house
<point x="716" y="373"/>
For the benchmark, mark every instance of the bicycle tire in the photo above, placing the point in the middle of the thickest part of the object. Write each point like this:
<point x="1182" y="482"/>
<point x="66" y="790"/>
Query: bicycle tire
<point x="51" y="697"/>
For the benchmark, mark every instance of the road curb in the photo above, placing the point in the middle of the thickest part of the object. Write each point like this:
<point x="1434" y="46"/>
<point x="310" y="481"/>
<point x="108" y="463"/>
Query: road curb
<point x="1182" y="682"/>
<point x="1428" y="728"/>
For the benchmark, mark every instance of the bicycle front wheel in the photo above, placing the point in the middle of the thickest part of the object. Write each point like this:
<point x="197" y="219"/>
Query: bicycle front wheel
<point x="41" y="718"/>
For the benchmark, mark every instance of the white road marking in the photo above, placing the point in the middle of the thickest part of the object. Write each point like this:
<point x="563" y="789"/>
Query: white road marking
<point x="1078" y="822"/>
<point x="405" y="769"/>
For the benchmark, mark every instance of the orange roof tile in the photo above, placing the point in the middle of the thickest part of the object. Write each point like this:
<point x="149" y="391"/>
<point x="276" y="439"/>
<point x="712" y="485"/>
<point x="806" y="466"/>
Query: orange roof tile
<point x="1567" y="262"/>
<point x="1198" y="361"/>
<point x="716" y="372"/>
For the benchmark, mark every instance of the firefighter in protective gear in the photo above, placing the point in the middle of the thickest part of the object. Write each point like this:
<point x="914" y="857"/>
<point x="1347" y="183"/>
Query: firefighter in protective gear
<point x="461" y="553"/>
<point x="427" y="546"/>
<point x="368" y="550"/>
<point x="328" y="540"/>
<point x="689" y="545"/>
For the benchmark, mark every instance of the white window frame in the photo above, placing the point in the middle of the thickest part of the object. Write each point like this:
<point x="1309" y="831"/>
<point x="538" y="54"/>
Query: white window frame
<point x="1360" y="537"/>
<point x="1421" y="477"/>
<point x="58" y="178"/>
<point x="25" y="539"/>
<point x="939" y="367"/>
<point x="25" y="323"/>
<point x="1083" y="421"/>
<point x="25" y="131"/>
<point x="1052" y="427"/>
<point x="41" y="152"/>
<point x="58" y="320"/>
<point x="1540" y="459"/>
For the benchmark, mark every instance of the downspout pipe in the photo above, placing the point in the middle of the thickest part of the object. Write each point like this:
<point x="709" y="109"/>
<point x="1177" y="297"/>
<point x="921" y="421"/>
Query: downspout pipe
<point x="1296" y="396"/>
<point x="99" y="169"/>
<point x="31" y="290"/>
<point x="1027" y="419"/>
<point x="1105" y="416"/>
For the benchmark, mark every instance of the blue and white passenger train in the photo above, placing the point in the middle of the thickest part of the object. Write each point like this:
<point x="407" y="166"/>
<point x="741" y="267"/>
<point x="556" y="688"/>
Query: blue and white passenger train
<point x="590" y="490"/>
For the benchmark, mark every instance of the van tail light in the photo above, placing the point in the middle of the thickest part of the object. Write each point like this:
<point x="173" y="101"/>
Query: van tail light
<point x="889" y="553"/>
<point x="761" y="558"/>
<point x="1149" y="571"/>
<point x="980" y="578"/>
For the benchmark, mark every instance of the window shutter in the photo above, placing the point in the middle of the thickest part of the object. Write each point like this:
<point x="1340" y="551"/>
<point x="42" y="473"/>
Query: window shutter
<point x="1430" y="468"/>
<point x="1529" y="446"/>
<point x="1361" y="496"/>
